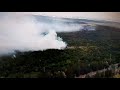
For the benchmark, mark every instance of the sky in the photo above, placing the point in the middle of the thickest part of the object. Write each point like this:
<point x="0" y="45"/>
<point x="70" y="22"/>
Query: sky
<point x="110" y="16"/>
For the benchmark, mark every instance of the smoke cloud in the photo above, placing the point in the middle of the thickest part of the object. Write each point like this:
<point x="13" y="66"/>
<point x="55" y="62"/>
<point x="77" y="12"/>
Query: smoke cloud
<point x="24" y="33"/>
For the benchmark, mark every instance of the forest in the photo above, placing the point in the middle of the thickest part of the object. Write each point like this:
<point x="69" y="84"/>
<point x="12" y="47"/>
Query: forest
<point x="93" y="50"/>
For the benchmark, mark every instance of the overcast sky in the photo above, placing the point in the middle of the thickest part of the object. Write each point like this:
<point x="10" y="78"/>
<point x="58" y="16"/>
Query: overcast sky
<point x="112" y="16"/>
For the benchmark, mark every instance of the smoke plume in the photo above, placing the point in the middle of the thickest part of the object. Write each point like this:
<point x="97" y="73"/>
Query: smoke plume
<point x="25" y="33"/>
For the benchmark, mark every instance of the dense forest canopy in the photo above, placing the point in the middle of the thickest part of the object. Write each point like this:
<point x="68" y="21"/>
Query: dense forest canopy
<point x="93" y="50"/>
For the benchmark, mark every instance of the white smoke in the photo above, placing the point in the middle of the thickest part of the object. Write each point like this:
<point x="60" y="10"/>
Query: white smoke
<point x="61" y="27"/>
<point x="24" y="33"/>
